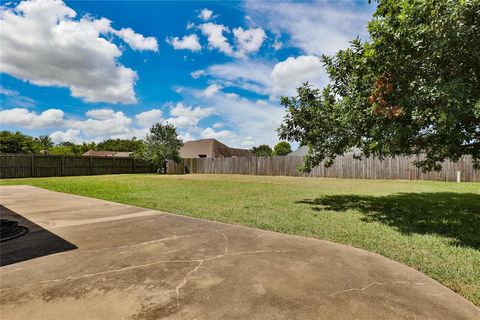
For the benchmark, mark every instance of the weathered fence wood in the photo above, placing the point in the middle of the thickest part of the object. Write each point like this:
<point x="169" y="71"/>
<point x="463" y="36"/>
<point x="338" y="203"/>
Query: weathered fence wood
<point x="24" y="165"/>
<point x="343" y="167"/>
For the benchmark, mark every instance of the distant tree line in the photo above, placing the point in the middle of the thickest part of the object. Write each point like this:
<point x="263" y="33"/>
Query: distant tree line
<point x="280" y="149"/>
<point x="17" y="142"/>
<point x="162" y="144"/>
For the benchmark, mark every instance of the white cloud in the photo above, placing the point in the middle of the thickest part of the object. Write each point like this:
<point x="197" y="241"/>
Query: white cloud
<point x="188" y="117"/>
<point x="217" y="125"/>
<point x="100" y="114"/>
<point x="317" y="27"/>
<point x="291" y="73"/>
<point x="248" y="122"/>
<point x="186" y="136"/>
<point x="14" y="98"/>
<point x="69" y="135"/>
<point x="118" y="123"/>
<point x="268" y="79"/>
<point x="211" y="90"/>
<point x="197" y="74"/>
<point x="215" y="37"/>
<point x="148" y="118"/>
<point x="246" y="74"/>
<point x="198" y="112"/>
<point x="137" y="41"/>
<point x="43" y="42"/>
<point x="8" y="92"/>
<point x="277" y="45"/>
<point x="101" y="124"/>
<point x="249" y="40"/>
<point x="210" y="133"/>
<point x="186" y="43"/>
<point x="24" y="118"/>
<point x="205" y="14"/>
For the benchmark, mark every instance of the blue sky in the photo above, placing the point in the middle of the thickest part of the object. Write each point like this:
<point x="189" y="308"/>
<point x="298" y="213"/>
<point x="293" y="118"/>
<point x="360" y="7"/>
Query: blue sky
<point x="86" y="70"/>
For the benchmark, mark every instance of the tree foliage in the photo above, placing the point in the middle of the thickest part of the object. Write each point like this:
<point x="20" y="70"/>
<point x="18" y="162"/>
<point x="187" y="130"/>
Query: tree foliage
<point x="413" y="88"/>
<point x="122" y="145"/>
<point x="64" y="150"/>
<point x="17" y="142"/>
<point x="262" y="150"/>
<point x="282" y="149"/>
<point x="45" y="143"/>
<point x="161" y="144"/>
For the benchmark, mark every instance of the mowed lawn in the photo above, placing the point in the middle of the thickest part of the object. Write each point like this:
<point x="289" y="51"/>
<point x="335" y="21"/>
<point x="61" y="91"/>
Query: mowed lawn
<point x="431" y="226"/>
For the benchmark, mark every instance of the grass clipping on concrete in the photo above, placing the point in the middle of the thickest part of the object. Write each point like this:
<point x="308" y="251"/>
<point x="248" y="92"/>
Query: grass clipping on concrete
<point x="433" y="227"/>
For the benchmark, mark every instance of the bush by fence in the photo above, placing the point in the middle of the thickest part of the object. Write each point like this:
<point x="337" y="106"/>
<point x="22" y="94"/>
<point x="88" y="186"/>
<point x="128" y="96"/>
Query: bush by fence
<point x="25" y="165"/>
<point x="343" y="167"/>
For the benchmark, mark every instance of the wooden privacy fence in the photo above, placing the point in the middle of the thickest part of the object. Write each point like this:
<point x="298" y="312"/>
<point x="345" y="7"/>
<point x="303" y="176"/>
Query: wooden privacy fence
<point x="25" y="165"/>
<point x="343" y="167"/>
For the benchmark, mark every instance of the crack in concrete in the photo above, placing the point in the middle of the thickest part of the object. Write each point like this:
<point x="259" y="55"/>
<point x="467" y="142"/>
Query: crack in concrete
<point x="152" y="241"/>
<point x="373" y="284"/>
<point x="200" y="261"/>
<point x="185" y="280"/>
<point x="226" y="243"/>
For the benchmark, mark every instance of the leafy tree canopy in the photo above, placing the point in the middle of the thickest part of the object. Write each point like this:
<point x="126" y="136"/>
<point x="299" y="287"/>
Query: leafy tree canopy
<point x="17" y="142"/>
<point x="161" y="144"/>
<point x="122" y="145"/>
<point x="282" y="149"/>
<point x="412" y="88"/>
<point x="64" y="150"/>
<point x="262" y="150"/>
<point x="45" y="143"/>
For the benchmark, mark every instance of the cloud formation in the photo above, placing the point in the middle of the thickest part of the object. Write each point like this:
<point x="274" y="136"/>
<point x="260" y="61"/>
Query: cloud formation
<point x="43" y="42"/>
<point x="216" y="38"/>
<point x="317" y="27"/>
<point x="249" y="40"/>
<point x="189" y="42"/>
<point x="205" y="14"/>
<point x="23" y="117"/>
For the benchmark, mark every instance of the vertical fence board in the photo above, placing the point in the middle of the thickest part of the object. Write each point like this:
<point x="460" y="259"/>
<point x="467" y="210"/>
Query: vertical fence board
<point x="343" y="167"/>
<point x="25" y="165"/>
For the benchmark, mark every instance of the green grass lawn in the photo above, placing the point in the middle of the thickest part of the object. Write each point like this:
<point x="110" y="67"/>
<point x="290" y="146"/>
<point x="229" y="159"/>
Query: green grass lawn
<point x="431" y="226"/>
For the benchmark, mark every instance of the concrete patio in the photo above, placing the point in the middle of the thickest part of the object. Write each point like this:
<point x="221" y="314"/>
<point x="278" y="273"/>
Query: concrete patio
<point x="85" y="258"/>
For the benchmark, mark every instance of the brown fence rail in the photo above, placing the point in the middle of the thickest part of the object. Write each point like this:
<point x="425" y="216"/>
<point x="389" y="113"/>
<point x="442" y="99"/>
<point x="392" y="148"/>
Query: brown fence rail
<point x="24" y="165"/>
<point x="343" y="167"/>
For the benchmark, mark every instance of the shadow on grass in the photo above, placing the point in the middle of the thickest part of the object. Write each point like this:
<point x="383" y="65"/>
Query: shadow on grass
<point x="447" y="214"/>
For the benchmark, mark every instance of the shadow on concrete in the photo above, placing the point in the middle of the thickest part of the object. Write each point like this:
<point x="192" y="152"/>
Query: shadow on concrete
<point x="455" y="216"/>
<point x="27" y="239"/>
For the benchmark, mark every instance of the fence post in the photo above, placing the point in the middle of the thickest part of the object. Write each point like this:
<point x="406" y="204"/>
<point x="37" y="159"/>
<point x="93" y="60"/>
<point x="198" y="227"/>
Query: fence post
<point x="90" y="166"/>
<point x="62" y="171"/>
<point x="33" y="166"/>
<point x="133" y="165"/>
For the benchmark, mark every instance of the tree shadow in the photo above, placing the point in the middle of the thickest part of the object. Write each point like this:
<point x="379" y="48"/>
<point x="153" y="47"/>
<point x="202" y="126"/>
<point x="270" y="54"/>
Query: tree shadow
<point x="448" y="214"/>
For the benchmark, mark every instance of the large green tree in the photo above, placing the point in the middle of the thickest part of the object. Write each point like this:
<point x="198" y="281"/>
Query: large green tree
<point x="45" y="143"/>
<point x="17" y="142"/>
<point x="161" y="144"/>
<point x="262" y="150"/>
<point x="282" y="149"/>
<point x="125" y="145"/>
<point x="412" y="88"/>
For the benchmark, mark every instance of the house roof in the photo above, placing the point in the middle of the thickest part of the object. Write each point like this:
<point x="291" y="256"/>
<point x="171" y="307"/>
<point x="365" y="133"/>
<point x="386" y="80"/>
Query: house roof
<point x="117" y="154"/>
<point x="300" y="152"/>
<point x="211" y="148"/>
